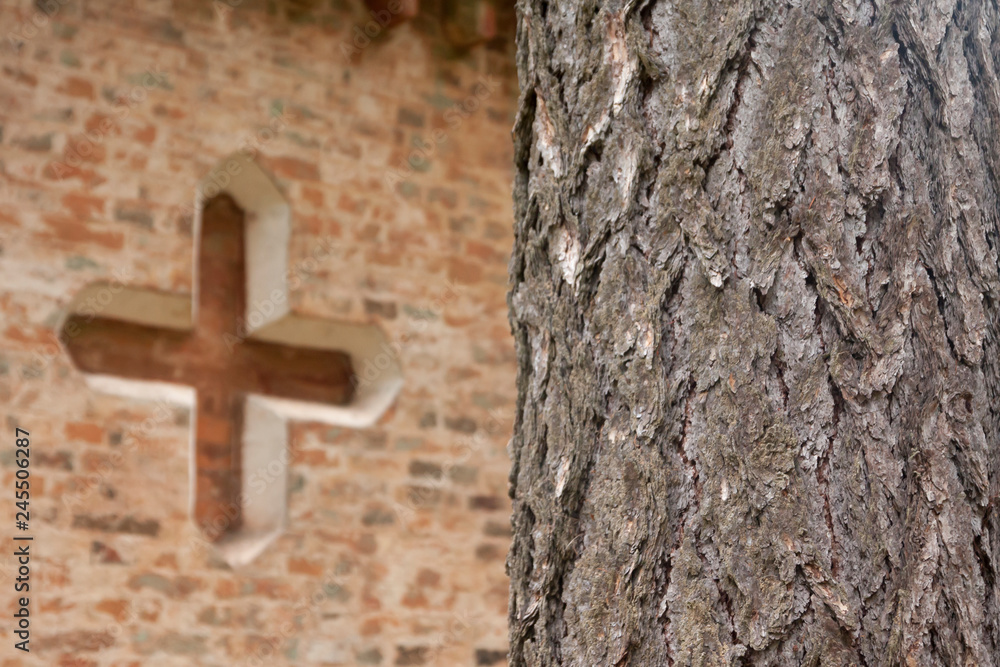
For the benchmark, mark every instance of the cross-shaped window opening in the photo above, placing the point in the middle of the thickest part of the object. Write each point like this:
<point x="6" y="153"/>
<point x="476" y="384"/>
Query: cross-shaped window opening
<point x="223" y="373"/>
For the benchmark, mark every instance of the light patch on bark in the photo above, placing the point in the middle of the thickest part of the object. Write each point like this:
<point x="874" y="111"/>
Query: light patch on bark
<point x="625" y="174"/>
<point x="561" y="477"/>
<point x="622" y="66"/>
<point x="645" y="339"/>
<point x="545" y="131"/>
<point x="567" y="254"/>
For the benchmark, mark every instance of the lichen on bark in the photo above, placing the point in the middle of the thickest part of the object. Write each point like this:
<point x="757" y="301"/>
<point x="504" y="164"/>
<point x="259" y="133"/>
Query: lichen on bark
<point x="754" y="296"/>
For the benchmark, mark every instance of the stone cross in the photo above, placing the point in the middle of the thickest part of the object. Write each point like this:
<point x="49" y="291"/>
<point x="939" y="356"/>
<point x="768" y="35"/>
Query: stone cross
<point x="244" y="385"/>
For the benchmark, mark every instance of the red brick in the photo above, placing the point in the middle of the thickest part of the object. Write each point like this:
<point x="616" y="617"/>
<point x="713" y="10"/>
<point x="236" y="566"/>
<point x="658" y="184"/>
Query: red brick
<point x="85" y="431"/>
<point x="32" y="336"/>
<point x="313" y="196"/>
<point x="72" y="661"/>
<point x="101" y="125"/>
<point x="213" y="429"/>
<point x="83" y="206"/>
<point x="77" y="87"/>
<point x="61" y="171"/>
<point x="371" y="626"/>
<point x="310" y="457"/>
<point x="428" y="577"/>
<point x="484" y="252"/>
<point x="145" y="135"/>
<point x="350" y="204"/>
<point x="294" y="168"/>
<point x="85" y="149"/>
<point x="227" y="588"/>
<point x="463" y="271"/>
<point x="115" y="608"/>
<point x="77" y="641"/>
<point x="72" y="230"/>
<point x="168" y="561"/>
<point x="414" y="598"/>
<point x="20" y="76"/>
<point x="305" y="566"/>
<point x="176" y="588"/>
<point x="138" y="162"/>
<point x="104" y="554"/>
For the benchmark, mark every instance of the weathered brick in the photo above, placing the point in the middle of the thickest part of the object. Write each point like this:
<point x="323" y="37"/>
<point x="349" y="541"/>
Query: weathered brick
<point x="116" y="608"/>
<point x="412" y="655"/>
<point x="77" y="87"/>
<point x="313" y="195"/>
<point x="294" y="168"/>
<point x="69" y="661"/>
<point x="177" y="587"/>
<point x="102" y="553"/>
<point x="486" y="657"/>
<point x="305" y="566"/>
<point x="113" y="523"/>
<point x="369" y="656"/>
<point x="145" y="134"/>
<point x="380" y="308"/>
<point x="463" y="474"/>
<point x="81" y="148"/>
<point x="410" y="117"/>
<point x="420" y="468"/>
<point x="490" y="552"/>
<point x="60" y="460"/>
<point x="41" y="143"/>
<point x="497" y="529"/>
<point x="488" y="503"/>
<point x="428" y="577"/>
<point x="366" y="544"/>
<point x="85" y="432"/>
<point x="174" y="643"/>
<point x="461" y="424"/>
<point x="464" y="271"/>
<point x="414" y="598"/>
<point x="378" y="516"/>
<point x="72" y="230"/>
<point x="83" y="205"/>
<point x="135" y="214"/>
<point x="76" y="641"/>
<point x="423" y="496"/>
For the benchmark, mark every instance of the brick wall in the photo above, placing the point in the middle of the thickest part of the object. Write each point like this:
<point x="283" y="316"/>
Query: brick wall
<point x="397" y="167"/>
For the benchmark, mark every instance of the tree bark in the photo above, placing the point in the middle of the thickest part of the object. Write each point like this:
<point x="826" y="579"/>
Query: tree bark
<point x="754" y="297"/>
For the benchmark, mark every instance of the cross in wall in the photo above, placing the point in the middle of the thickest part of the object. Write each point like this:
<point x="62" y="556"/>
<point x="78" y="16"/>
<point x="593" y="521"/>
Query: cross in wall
<point x="245" y="387"/>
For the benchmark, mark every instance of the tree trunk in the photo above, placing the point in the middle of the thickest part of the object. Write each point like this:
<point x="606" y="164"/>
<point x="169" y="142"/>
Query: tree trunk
<point x="754" y="296"/>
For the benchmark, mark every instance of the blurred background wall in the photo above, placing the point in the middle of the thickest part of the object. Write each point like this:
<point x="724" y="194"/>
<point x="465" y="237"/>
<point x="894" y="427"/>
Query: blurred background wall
<point x="394" y="154"/>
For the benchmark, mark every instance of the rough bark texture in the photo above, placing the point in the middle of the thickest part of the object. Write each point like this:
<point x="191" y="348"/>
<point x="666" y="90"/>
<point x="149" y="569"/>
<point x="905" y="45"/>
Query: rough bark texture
<point x="754" y="294"/>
